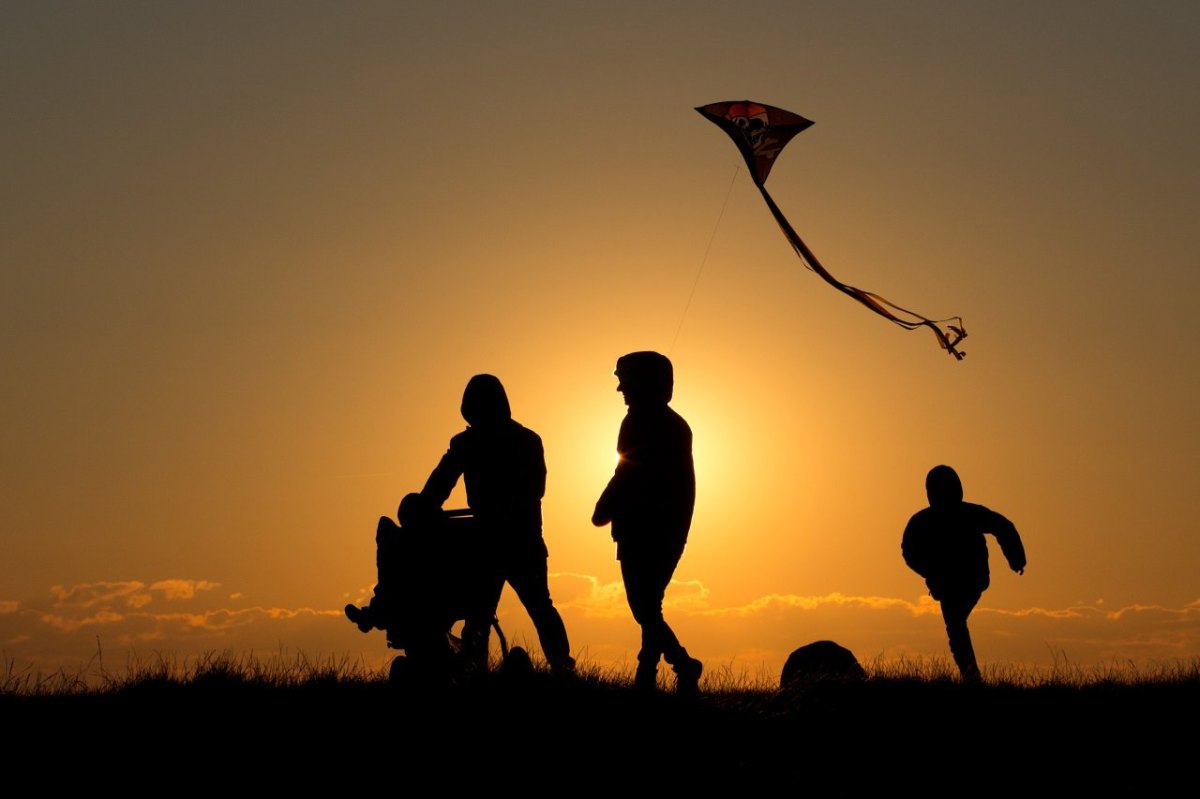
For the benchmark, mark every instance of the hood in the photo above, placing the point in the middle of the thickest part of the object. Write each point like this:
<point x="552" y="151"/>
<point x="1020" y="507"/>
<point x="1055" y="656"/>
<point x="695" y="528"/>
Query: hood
<point x="645" y="377"/>
<point x="484" y="401"/>
<point x="943" y="487"/>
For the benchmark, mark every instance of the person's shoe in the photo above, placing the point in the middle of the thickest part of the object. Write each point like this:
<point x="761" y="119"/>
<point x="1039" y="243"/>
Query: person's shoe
<point x="645" y="679"/>
<point x="687" y="676"/>
<point x="361" y="617"/>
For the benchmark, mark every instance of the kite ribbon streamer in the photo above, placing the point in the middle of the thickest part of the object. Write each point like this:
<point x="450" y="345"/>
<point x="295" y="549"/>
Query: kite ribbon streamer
<point x="760" y="133"/>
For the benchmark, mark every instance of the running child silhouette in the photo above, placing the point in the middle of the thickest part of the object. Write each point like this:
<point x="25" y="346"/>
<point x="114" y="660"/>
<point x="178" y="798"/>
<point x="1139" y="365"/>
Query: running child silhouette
<point x="944" y="544"/>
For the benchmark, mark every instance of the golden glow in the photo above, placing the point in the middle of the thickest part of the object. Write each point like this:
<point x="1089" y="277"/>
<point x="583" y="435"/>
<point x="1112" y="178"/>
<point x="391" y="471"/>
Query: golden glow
<point x="250" y="268"/>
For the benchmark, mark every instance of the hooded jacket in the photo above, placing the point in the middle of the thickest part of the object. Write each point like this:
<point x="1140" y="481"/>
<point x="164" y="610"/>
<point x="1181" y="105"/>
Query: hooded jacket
<point x="502" y="462"/>
<point x="944" y="543"/>
<point x="652" y="494"/>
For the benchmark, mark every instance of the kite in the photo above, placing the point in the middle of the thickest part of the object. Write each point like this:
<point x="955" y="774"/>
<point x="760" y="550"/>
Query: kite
<point x="760" y="133"/>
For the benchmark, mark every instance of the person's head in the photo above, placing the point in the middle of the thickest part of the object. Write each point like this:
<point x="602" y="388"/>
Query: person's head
<point x="645" y="378"/>
<point x="417" y="511"/>
<point x="484" y="402"/>
<point x="943" y="487"/>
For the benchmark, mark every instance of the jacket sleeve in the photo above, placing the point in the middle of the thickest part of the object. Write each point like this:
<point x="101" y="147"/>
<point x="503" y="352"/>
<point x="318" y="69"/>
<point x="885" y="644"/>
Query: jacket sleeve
<point x="1009" y="540"/>
<point x="444" y="477"/>
<point x="539" y="476"/>
<point x="915" y="548"/>
<point x="611" y="499"/>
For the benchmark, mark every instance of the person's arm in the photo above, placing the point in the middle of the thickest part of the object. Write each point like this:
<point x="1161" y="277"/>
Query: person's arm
<point x="602" y="514"/>
<point x="1009" y="540"/>
<point x="540" y="475"/>
<point x="610" y="498"/>
<point x="914" y="547"/>
<point x="615" y="494"/>
<point x="444" y="477"/>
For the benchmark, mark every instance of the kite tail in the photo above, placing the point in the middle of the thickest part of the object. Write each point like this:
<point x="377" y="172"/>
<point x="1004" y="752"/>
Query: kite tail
<point x="948" y="335"/>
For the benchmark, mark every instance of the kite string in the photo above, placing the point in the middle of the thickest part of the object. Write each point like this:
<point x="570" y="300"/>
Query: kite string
<point x="695" y="283"/>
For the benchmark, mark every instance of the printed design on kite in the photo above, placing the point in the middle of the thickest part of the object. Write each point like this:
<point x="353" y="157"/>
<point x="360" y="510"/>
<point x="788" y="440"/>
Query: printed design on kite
<point x="753" y="123"/>
<point x="760" y="133"/>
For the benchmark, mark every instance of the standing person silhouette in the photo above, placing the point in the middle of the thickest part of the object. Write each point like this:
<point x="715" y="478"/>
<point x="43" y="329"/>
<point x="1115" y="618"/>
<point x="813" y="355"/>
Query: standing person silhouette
<point x="504" y="466"/>
<point x="944" y="544"/>
<point x="649" y="502"/>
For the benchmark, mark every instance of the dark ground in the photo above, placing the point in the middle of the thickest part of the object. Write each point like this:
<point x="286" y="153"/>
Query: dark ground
<point x="540" y="735"/>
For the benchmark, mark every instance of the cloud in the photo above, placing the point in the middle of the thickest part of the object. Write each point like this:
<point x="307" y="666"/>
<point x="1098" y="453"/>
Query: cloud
<point x="692" y="596"/>
<point x="586" y="594"/>
<point x="222" y="619"/>
<point x="127" y="593"/>
<point x="70" y="624"/>
<point x="181" y="616"/>
<point x="182" y="589"/>
<point x="768" y="627"/>
<point x="772" y="602"/>
<point x="189" y="616"/>
<point x="85" y="595"/>
<point x="157" y="626"/>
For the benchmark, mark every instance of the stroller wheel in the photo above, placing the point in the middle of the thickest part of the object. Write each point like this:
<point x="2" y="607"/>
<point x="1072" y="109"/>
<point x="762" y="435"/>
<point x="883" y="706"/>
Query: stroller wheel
<point x="400" y="670"/>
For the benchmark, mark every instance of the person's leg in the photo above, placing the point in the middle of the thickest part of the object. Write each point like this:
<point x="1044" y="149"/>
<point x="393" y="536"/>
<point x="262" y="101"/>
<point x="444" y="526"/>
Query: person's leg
<point x="469" y="568"/>
<point x="955" y="610"/>
<point x="477" y="626"/>
<point x="646" y="581"/>
<point x="529" y="577"/>
<point x="645" y="586"/>
<point x="376" y="613"/>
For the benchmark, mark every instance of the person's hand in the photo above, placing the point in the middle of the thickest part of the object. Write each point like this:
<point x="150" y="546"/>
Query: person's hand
<point x="602" y="515"/>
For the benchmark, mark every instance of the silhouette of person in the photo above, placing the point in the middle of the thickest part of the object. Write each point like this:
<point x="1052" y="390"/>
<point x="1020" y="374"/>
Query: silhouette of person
<point x="504" y="467"/>
<point x="944" y="543"/>
<point x="649" y="502"/>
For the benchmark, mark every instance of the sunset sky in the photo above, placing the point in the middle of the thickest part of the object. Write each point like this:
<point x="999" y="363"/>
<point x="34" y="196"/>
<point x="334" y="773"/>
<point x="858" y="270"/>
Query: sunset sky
<point x="252" y="253"/>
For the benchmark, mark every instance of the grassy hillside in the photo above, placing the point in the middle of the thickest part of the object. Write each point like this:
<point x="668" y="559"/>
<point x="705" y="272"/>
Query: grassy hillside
<point x="239" y="723"/>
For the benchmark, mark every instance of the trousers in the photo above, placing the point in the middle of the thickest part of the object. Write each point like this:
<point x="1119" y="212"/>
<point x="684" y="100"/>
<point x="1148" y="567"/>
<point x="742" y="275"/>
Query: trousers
<point x="646" y="579"/>
<point x="529" y="577"/>
<point x="956" y="607"/>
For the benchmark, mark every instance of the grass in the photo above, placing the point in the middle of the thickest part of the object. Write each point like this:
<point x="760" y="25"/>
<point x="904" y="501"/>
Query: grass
<point x="285" y="670"/>
<point x="278" y="671"/>
<point x="288" y="720"/>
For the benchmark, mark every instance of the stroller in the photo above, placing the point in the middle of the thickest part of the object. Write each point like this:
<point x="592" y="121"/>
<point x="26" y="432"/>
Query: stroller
<point x="435" y="568"/>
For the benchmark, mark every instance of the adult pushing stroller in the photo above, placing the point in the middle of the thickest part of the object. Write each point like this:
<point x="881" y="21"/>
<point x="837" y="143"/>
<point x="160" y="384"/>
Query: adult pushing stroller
<point x="435" y="568"/>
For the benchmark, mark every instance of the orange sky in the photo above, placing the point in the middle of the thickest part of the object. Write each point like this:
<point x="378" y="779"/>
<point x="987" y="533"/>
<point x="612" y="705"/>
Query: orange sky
<point x="252" y="254"/>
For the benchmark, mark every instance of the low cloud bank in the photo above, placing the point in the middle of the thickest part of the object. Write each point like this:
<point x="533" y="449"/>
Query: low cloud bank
<point x="759" y="634"/>
<point x="189" y="616"/>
